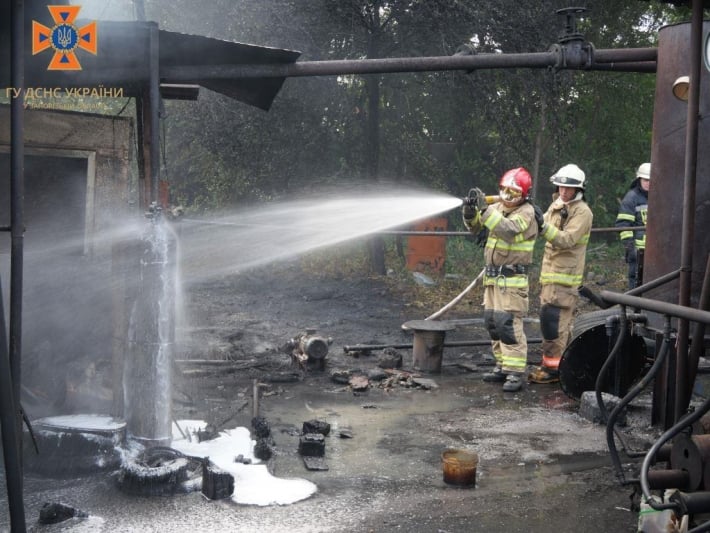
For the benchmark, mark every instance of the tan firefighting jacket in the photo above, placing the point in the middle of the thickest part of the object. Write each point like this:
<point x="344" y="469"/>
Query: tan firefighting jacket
<point x="511" y="235"/>
<point x="567" y="238"/>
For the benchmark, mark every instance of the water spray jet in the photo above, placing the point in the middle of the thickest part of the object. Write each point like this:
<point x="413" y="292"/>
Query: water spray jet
<point x="151" y="335"/>
<point x="279" y="231"/>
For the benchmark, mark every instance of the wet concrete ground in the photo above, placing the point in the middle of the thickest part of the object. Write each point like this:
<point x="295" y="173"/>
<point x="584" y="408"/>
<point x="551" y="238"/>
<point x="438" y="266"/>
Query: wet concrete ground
<point x="542" y="467"/>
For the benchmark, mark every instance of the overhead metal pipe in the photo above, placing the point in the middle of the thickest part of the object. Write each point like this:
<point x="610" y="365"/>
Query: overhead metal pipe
<point x="643" y="59"/>
<point x="468" y="233"/>
<point x="664" y="308"/>
<point x="647" y="67"/>
<point x="626" y="55"/>
<point x="661" y="280"/>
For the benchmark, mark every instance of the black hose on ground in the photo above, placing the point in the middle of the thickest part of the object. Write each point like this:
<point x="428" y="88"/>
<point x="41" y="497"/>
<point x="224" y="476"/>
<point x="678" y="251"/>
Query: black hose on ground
<point x="635" y="391"/>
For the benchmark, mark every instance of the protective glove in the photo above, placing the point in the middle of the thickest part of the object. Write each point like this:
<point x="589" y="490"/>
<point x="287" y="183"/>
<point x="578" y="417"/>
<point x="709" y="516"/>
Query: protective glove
<point x="629" y="251"/>
<point x="478" y="198"/>
<point x="468" y="211"/>
<point x="539" y="218"/>
<point x="482" y="238"/>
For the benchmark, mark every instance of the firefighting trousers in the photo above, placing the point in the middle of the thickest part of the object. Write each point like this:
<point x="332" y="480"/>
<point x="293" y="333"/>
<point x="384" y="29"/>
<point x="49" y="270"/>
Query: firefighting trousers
<point x="557" y="306"/>
<point x="504" y="309"/>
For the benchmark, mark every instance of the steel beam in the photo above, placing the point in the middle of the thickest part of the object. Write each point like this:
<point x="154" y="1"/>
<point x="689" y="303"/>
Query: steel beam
<point x="643" y="59"/>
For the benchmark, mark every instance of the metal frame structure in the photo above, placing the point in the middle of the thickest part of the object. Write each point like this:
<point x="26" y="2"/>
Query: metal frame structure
<point x="269" y="70"/>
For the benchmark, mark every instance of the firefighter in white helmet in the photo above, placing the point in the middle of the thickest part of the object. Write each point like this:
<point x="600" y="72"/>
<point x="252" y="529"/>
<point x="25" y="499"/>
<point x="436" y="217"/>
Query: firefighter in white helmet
<point x="566" y="227"/>
<point x="511" y="236"/>
<point x="633" y="212"/>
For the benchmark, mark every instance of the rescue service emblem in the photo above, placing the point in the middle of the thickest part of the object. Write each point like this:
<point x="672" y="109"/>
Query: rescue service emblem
<point x="64" y="38"/>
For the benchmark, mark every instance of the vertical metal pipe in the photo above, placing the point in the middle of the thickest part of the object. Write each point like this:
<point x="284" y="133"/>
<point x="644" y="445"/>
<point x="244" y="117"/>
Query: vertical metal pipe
<point x="17" y="195"/>
<point x="11" y="416"/>
<point x="147" y="377"/>
<point x="688" y="233"/>
<point x="10" y="440"/>
<point x="143" y="178"/>
<point x="698" y="346"/>
<point x="154" y="95"/>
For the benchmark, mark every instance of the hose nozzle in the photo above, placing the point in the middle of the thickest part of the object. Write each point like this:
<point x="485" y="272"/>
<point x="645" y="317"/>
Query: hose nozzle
<point x="492" y="199"/>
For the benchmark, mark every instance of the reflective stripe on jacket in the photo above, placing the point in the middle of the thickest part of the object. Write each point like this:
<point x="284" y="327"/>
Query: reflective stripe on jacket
<point x="567" y="239"/>
<point x="633" y="212"/>
<point x="511" y="239"/>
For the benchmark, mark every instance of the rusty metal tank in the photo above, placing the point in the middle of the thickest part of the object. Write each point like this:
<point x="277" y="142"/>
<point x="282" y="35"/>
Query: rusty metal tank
<point x="665" y="211"/>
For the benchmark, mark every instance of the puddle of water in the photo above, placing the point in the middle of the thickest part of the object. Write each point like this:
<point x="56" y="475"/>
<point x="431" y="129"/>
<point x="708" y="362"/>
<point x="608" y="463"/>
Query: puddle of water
<point x="384" y="434"/>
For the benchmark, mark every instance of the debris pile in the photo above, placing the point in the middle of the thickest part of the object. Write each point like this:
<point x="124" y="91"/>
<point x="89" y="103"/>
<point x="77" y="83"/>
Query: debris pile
<point x="311" y="445"/>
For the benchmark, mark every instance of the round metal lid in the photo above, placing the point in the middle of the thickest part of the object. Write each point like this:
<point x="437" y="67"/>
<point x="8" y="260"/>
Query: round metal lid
<point x="428" y="325"/>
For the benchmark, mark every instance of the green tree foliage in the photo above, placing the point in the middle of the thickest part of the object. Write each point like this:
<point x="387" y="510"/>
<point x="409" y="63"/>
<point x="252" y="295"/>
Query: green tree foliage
<point x="443" y="130"/>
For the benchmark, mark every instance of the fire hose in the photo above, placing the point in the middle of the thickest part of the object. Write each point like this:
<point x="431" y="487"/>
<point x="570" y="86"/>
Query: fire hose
<point x="469" y="200"/>
<point x="457" y="299"/>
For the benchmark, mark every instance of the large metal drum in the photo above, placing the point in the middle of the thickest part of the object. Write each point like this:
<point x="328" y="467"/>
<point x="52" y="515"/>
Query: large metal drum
<point x="589" y="349"/>
<point x="665" y="201"/>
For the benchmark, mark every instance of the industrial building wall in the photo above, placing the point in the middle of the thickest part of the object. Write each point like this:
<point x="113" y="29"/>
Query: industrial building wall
<point x="78" y="190"/>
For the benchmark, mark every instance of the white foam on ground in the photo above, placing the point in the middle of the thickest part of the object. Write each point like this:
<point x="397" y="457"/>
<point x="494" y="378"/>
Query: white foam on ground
<point x="253" y="483"/>
<point x="79" y="422"/>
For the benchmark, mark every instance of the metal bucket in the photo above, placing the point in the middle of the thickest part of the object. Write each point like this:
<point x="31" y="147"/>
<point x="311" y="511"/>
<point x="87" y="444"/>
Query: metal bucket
<point x="460" y="467"/>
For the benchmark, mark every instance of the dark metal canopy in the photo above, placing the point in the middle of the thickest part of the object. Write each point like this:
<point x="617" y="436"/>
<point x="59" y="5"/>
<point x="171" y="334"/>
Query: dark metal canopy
<point x="252" y="74"/>
<point x="122" y="61"/>
<point x="180" y="50"/>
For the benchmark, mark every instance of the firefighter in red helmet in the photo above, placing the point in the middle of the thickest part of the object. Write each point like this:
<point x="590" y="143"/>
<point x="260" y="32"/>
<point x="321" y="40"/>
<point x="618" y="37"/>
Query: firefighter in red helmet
<point x="512" y="231"/>
<point x="566" y="227"/>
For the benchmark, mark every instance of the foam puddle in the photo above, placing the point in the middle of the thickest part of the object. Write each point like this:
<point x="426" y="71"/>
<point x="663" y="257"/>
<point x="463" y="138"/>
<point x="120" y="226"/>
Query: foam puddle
<point x="253" y="483"/>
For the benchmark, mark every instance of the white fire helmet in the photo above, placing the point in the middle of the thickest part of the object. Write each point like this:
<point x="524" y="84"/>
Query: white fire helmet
<point x="569" y="176"/>
<point x="644" y="171"/>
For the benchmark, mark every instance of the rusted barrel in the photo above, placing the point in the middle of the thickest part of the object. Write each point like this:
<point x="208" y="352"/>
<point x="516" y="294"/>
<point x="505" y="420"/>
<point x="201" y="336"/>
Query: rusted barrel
<point x="428" y="347"/>
<point x="666" y="196"/>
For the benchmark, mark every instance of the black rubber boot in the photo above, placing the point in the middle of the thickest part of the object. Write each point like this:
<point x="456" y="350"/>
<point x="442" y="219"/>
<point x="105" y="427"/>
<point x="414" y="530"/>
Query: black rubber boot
<point x="497" y="376"/>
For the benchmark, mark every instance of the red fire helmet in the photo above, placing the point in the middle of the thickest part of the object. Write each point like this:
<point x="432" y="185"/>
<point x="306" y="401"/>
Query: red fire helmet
<point x="517" y="179"/>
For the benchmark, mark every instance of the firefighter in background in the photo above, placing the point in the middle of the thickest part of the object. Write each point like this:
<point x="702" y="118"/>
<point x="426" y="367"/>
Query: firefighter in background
<point x="512" y="231"/>
<point x="566" y="227"/>
<point x="633" y="212"/>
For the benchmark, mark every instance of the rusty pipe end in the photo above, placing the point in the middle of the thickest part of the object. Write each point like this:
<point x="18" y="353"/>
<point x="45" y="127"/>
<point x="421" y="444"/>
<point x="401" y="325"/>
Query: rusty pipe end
<point x="315" y="347"/>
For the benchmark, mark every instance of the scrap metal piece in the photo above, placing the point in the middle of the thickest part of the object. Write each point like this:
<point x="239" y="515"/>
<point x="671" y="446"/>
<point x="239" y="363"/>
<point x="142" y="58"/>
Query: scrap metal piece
<point x="315" y="463"/>
<point x="308" y="349"/>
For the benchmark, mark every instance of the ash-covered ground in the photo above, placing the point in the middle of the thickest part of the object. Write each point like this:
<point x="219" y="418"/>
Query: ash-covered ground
<point x="541" y="466"/>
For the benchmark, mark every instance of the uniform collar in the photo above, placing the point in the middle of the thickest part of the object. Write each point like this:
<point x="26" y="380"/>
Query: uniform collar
<point x="559" y="204"/>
